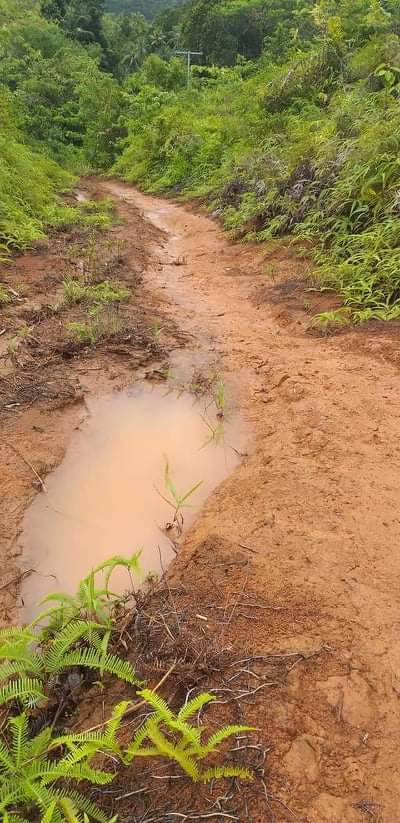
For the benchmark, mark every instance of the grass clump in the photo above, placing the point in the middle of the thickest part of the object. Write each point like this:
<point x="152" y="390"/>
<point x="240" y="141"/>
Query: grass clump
<point x="5" y="296"/>
<point x="102" y="323"/>
<point x="101" y="293"/>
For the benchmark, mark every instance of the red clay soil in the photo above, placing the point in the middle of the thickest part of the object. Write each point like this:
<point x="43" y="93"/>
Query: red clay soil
<point x="316" y="502"/>
<point x="295" y="555"/>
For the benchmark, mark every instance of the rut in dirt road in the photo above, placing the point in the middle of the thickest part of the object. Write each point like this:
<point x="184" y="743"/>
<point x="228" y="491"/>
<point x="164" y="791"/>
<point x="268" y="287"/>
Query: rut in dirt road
<point x="317" y="502"/>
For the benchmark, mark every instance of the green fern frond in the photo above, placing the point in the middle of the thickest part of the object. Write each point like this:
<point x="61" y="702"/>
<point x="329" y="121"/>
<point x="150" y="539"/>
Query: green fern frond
<point x="77" y="754"/>
<point x="194" y="706"/>
<point x="19" y="735"/>
<point x="11" y="793"/>
<point x="95" y="738"/>
<point x="76" y="772"/>
<point x="101" y="643"/>
<point x="69" y="810"/>
<point x="17" y="650"/>
<point x="170" y="751"/>
<point x="224" y="733"/>
<point x="83" y="804"/>
<point x="15" y="818"/>
<point x="113" y="724"/>
<point x="28" y="690"/>
<point x="6" y="762"/>
<point x="93" y="659"/>
<point x="158" y="704"/>
<point x="218" y="772"/>
<point x="66" y="638"/>
<point x="191" y="736"/>
<point x="32" y="664"/>
<point x="16" y="633"/>
<point x="38" y="746"/>
<point x="136" y="744"/>
<point x="48" y="817"/>
<point x="40" y="797"/>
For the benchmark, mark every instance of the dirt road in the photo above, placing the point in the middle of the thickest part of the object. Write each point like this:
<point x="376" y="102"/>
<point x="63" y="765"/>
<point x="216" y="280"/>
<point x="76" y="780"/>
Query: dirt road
<point x="294" y="563"/>
<point x="317" y="505"/>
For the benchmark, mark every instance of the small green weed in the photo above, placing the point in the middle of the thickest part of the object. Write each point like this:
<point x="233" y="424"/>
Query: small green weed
<point x="25" y="673"/>
<point x="97" y="258"/>
<point x="219" y="395"/>
<point x="13" y="346"/>
<point x="217" y="431"/>
<point x="177" y="500"/>
<point x="329" y="320"/>
<point x="181" y="741"/>
<point x="102" y="323"/>
<point x="5" y="296"/>
<point x="84" y="332"/>
<point x="46" y="773"/>
<point x="105" y="292"/>
<point x="156" y="329"/>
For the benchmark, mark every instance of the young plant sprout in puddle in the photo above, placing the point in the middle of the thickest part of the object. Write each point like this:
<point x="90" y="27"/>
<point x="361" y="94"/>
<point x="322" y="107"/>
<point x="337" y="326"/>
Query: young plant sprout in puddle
<point x="219" y="395"/>
<point x="218" y="429"/>
<point x="177" y="500"/>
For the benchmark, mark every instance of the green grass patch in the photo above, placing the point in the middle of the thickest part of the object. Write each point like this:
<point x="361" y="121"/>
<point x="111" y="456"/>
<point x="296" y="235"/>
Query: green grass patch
<point x="101" y="293"/>
<point x="5" y="296"/>
<point x="102" y="322"/>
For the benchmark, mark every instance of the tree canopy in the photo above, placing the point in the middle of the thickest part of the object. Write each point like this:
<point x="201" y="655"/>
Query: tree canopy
<point x="290" y="124"/>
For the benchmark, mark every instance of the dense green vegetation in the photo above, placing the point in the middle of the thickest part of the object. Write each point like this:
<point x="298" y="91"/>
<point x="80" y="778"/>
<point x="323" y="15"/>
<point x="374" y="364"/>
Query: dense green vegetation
<point x="149" y="8"/>
<point x="302" y="141"/>
<point x="58" y="115"/>
<point x="291" y="125"/>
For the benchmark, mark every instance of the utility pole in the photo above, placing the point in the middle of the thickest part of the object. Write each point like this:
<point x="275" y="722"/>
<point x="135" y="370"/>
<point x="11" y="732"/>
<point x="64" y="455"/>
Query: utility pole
<point x="189" y="55"/>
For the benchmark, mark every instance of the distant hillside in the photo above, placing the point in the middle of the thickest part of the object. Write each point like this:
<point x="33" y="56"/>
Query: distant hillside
<point x="149" y="8"/>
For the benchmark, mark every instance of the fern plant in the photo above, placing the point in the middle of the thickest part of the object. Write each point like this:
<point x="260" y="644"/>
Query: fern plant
<point x="29" y="663"/>
<point x="37" y="774"/>
<point x="34" y="784"/>
<point x="172" y="736"/>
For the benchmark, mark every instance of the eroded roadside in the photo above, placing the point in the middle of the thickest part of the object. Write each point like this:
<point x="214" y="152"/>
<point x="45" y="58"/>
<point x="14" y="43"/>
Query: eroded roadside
<point x="292" y="566"/>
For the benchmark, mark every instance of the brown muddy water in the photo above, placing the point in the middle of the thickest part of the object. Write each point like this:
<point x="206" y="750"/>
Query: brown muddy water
<point x="104" y="498"/>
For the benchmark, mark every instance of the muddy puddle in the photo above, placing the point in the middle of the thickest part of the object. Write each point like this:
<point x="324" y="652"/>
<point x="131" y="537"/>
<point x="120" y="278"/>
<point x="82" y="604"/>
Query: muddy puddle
<point x="106" y="497"/>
